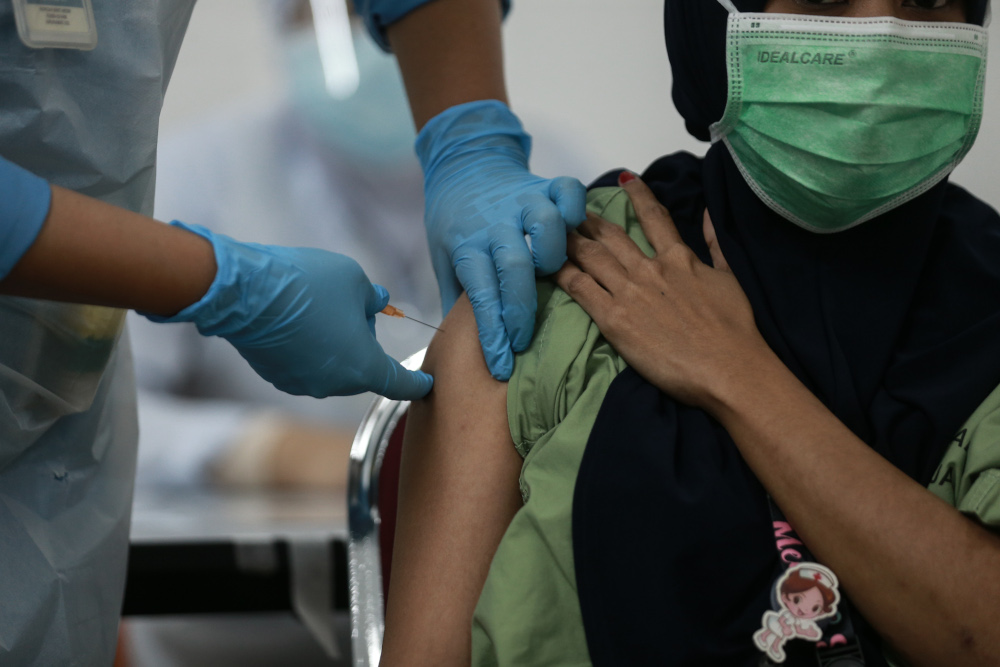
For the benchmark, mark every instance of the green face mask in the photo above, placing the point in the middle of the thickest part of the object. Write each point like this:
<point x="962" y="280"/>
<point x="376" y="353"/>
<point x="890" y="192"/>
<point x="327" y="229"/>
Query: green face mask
<point x="834" y="121"/>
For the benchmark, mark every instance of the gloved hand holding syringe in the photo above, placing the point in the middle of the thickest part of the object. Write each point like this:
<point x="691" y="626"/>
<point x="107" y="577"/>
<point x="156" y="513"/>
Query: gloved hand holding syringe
<point x="303" y="318"/>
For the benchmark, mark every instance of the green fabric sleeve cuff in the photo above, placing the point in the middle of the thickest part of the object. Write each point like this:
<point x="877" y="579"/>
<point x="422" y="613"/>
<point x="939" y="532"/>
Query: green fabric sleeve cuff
<point x="968" y="477"/>
<point x="567" y="352"/>
<point x="983" y="498"/>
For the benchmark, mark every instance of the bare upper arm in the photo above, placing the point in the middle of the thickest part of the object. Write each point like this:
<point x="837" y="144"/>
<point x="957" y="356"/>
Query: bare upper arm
<point x="465" y="395"/>
<point x="458" y="490"/>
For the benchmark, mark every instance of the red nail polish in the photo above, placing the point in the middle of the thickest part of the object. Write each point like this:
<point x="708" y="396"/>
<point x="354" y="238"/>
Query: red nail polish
<point x="625" y="177"/>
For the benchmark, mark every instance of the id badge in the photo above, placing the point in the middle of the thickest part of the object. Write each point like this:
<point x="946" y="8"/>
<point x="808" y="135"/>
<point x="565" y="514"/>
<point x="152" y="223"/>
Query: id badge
<point x="56" y="24"/>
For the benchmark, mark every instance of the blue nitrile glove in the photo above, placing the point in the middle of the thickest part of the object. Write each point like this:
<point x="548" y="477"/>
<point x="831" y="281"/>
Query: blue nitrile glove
<point x="481" y="201"/>
<point x="24" y="204"/>
<point x="303" y="318"/>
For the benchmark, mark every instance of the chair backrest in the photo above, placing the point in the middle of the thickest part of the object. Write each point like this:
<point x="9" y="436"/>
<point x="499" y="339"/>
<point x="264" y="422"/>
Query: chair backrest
<point x="371" y="517"/>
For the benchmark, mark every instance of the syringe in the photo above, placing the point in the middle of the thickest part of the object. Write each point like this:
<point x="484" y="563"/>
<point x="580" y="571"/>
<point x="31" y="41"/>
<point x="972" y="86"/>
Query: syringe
<point x="392" y="311"/>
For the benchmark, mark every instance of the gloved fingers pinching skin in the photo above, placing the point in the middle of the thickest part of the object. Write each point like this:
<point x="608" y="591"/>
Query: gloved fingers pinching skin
<point x="477" y="271"/>
<point x="516" y="277"/>
<point x="481" y="200"/>
<point x="570" y="196"/>
<point x="303" y="318"/>
<point x="544" y="225"/>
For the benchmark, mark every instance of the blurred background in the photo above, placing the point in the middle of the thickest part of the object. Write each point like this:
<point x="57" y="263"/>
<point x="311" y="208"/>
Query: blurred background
<point x="596" y="70"/>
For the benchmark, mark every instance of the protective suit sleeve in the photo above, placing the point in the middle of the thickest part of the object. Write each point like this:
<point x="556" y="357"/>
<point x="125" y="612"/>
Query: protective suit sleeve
<point x="24" y="203"/>
<point x="379" y="14"/>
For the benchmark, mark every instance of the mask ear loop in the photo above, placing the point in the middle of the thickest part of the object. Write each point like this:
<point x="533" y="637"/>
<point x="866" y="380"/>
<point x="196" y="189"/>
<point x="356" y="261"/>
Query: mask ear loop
<point x="728" y="4"/>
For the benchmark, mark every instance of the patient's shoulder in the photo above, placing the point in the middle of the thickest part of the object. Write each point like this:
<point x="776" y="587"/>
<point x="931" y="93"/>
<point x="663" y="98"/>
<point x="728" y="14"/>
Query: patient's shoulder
<point x="455" y="359"/>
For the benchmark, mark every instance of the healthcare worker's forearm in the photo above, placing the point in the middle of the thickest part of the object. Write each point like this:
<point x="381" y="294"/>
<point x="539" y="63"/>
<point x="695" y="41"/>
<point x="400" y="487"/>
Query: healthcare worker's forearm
<point x="91" y="252"/>
<point x="924" y="575"/>
<point x="24" y="203"/>
<point x="449" y="53"/>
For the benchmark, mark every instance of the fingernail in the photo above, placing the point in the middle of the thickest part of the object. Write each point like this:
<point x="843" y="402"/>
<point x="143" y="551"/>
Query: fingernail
<point x="625" y="177"/>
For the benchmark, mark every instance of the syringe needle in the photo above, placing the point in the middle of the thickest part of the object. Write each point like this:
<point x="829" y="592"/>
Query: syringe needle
<point x="424" y="323"/>
<point x="392" y="311"/>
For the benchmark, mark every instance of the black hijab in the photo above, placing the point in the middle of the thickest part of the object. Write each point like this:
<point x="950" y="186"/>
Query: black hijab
<point x="696" y="44"/>
<point x="894" y="325"/>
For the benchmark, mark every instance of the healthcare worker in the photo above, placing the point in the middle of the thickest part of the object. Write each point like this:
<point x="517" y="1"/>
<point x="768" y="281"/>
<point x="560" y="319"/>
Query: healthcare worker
<point x="481" y="199"/>
<point x="302" y="167"/>
<point x="81" y="88"/>
<point x="342" y="168"/>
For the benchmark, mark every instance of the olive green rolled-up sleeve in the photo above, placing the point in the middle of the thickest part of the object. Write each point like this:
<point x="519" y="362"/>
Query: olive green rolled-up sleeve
<point x="528" y="612"/>
<point x="969" y="475"/>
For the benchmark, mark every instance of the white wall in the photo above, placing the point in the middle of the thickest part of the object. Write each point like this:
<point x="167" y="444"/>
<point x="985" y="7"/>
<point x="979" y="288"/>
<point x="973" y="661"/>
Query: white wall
<point x="595" y="69"/>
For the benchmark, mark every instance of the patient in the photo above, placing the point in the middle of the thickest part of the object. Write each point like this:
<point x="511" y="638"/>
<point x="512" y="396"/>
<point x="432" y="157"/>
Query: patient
<point x="716" y="399"/>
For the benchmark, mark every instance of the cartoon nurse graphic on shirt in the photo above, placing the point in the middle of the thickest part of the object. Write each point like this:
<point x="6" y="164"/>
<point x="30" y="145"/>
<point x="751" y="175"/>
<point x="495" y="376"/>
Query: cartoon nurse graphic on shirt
<point x="806" y="593"/>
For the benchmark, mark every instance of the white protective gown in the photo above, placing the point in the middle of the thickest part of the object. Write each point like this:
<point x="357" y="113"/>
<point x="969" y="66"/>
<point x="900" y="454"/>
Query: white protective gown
<point x="85" y="120"/>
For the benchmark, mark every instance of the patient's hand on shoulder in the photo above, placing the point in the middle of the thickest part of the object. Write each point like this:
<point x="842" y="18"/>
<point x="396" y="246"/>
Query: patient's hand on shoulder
<point x="458" y="491"/>
<point x="686" y="327"/>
